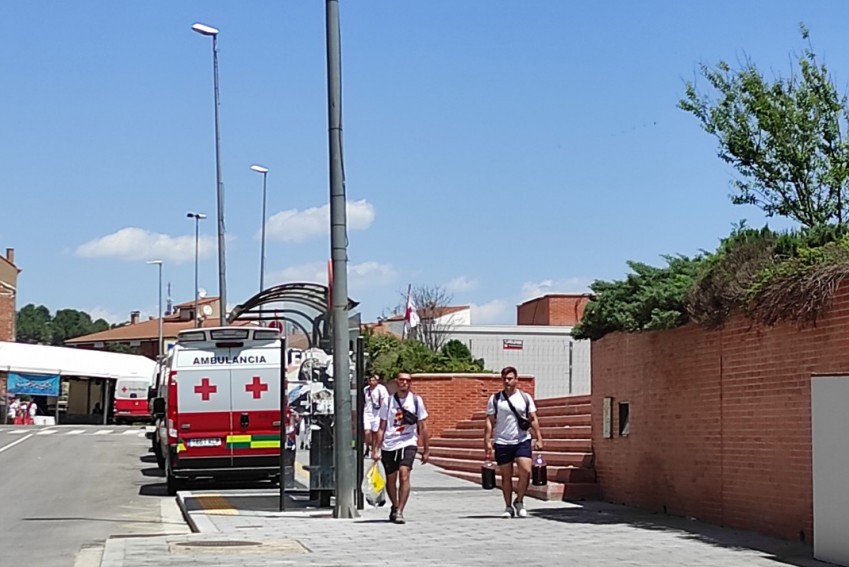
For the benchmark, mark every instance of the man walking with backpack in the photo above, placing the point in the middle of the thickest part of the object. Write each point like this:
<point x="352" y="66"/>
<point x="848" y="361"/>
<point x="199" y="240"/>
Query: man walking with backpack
<point x="511" y="414"/>
<point x="402" y="418"/>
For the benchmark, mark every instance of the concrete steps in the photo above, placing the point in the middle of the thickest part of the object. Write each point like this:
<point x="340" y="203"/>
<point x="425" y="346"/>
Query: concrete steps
<point x="567" y="428"/>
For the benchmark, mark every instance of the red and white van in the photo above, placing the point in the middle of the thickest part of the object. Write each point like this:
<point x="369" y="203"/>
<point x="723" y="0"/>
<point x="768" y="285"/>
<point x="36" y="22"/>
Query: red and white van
<point x="218" y="413"/>
<point x="130" y="403"/>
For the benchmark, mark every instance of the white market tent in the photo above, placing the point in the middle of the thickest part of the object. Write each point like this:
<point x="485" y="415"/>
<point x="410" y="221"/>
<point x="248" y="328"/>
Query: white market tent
<point x="43" y="359"/>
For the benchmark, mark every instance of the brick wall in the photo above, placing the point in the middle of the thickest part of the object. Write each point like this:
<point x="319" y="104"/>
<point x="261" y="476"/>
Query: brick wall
<point x="720" y="421"/>
<point x="450" y="398"/>
<point x="565" y="310"/>
<point x="7" y="317"/>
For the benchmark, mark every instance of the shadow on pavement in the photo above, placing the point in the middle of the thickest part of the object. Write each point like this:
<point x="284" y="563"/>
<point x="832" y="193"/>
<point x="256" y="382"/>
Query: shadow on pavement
<point x="148" y="459"/>
<point x="158" y="489"/>
<point x="602" y="513"/>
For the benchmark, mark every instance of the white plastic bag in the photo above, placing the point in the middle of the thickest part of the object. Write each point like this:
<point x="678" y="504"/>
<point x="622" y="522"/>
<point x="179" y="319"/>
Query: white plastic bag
<point x="374" y="485"/>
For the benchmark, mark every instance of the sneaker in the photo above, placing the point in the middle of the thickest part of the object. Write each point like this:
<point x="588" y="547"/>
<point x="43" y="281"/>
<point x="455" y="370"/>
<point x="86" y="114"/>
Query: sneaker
<point x="393" y="514"/>
<point x="399" y="518"/>
<point x="520" y="509"/>
<point x="508" y="512"/>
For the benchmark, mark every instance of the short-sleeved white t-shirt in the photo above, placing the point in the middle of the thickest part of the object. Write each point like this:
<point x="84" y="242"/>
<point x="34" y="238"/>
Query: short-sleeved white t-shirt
<point x="506" y="430"/>
<point x="374" y="399"/>
<point x="399" y="434"/>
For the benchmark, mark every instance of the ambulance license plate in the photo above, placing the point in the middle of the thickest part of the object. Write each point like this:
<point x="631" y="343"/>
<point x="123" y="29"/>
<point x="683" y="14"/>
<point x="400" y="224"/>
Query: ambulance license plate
<point x="204" y="442"/>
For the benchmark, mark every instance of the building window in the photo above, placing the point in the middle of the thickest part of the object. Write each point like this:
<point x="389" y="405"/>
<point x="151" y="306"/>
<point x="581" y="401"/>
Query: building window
<point x="624" y="419"/>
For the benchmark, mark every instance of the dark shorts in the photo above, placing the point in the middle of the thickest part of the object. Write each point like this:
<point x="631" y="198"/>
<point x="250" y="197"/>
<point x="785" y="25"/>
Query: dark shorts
<point x="508" y="453"/>
<point x="393" y="460"/>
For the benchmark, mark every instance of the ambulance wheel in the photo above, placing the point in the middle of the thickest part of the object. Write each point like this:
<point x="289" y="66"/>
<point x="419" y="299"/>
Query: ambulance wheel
<point x="172" y="484"/>
<point x="160" y="460"/>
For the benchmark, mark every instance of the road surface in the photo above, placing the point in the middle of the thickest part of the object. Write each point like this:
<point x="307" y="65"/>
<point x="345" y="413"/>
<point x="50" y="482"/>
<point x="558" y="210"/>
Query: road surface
<point x="66" y="489"/>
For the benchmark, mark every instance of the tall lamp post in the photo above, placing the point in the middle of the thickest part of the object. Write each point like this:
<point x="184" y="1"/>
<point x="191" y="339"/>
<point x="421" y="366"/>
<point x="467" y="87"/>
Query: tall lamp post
<point x="198" y="217"/>
<point x="159" y="315"/>
<point x="264" y="172"/>
<point x="222" y="280"/>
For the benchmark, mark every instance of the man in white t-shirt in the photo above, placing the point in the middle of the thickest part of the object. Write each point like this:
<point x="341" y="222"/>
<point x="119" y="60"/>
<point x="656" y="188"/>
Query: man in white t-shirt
<point x="376" y="394"/>
<point x="511" y="414"/>
<point x="403" y="417"/>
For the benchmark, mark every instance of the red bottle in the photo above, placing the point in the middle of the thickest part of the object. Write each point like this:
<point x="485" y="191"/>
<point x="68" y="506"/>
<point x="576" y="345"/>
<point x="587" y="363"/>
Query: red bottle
<point x="488" y="474"/>
<point x="539" y="471"/>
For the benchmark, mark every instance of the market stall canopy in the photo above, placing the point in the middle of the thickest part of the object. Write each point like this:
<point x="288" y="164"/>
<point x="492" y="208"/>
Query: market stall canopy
<point x="44" y="359"/>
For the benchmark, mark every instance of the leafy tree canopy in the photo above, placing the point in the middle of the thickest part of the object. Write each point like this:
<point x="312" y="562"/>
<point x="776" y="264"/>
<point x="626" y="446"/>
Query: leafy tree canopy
<point x="388" y="355"/>
<point x="786" y="136"/>
<point x="36" y="325"/>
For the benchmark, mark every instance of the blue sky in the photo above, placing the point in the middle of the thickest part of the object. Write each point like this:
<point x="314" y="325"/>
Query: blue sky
<point x="501" y="149"/>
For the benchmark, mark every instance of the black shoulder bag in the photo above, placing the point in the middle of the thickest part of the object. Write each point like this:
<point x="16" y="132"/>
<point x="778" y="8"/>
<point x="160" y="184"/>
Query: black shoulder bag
<point x="524" y="422"/>
<point x="410" y="418"/>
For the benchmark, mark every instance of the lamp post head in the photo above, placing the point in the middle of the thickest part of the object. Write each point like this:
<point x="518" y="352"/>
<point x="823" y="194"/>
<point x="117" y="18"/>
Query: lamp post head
<point x="157" y="262"/>
<point x="204" y="29"/>
<point x="259" y="169"/>
<point x="198" y="216"/>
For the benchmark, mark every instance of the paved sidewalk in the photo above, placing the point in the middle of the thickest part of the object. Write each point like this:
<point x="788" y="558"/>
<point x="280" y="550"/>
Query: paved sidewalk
<point x="450" y="523"/>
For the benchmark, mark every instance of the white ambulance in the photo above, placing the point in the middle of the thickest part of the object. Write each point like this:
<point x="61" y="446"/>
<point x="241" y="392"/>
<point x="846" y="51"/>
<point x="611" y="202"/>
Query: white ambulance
<point x="218" y="409"/>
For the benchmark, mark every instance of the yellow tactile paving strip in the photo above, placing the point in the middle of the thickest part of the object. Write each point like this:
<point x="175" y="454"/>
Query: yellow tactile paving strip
<point x="216" y="505"/>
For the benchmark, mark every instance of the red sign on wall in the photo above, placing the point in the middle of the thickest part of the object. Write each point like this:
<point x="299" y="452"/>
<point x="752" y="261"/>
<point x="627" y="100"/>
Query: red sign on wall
<point x="512" y="344"/>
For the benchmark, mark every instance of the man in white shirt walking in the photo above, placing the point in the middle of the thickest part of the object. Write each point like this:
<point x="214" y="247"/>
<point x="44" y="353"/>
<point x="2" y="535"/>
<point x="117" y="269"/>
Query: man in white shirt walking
<point x="402" y="417"/>
<point x="511" y="414"/>
<point x="376" y="394"/>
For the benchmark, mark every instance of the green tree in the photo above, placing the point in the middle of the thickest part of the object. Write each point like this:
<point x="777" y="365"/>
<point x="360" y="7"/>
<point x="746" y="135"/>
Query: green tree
<point x="649" y="298"/>
<point x="387" y="355"/>
<point x="36" y="325"/>
<point x="32" y="324"/>
<point x="787" y="137"/>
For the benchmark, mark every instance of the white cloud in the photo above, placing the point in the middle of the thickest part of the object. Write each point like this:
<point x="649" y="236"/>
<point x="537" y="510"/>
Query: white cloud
<point x="494" y="312"/>
<point x="360" y="276"/>
<point x="297" y="226"/>
<point x="99" y="312"/>
<point x="137" y="244"/>
<point x="531" y="290"/>
<point x="461" y="284"/>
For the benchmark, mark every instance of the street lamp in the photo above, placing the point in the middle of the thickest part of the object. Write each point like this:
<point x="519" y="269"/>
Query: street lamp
<point x="198" y="217"/>
<point x="222" y="281"/>
<point x="264" y="172"/>
<point x="159" y="315"/>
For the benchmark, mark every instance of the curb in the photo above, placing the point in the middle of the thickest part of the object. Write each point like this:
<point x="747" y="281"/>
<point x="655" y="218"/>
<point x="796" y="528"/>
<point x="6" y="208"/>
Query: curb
<point x="198" y="523"/>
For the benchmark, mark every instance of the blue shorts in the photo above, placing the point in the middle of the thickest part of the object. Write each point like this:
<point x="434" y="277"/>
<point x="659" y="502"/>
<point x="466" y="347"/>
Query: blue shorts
<point x="508" y="453"/>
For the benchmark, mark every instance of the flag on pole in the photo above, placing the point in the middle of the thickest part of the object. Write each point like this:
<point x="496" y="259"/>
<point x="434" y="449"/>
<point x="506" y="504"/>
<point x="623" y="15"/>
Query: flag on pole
<point x="411" y="316"/>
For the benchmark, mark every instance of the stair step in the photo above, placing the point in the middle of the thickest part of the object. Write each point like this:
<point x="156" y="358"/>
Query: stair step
<point x="578" y="409"/>
<point x="551" y="491"/>
<point x="548" y="432"/>
<point x="554" y="445"/>
<point x="570" y="491"/>
<point x="551" y="459"/>
<point x="555" y="473"/>
<point x="563" y="400"/>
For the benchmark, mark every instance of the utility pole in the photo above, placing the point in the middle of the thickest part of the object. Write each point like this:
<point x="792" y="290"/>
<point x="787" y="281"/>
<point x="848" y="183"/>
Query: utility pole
<point x="342" y="438"/>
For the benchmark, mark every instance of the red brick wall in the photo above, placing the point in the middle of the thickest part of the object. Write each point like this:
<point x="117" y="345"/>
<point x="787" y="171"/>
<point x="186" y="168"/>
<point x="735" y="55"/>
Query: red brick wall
<point x="564" y="310"/>
<point x="7" y="317"/>
<point x="720" y="421"/>
<point x="452" y="398"/>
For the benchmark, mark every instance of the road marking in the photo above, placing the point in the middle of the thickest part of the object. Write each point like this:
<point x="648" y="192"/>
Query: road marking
<point x="47" y="432"/>
<point x="13" y="443"/>
<point x="215" y="504"/>
<point x="19" y="431"/>
<point x="75" y="432"/>
<point x="130" y="432"/>
<point x="102" y="432"/>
